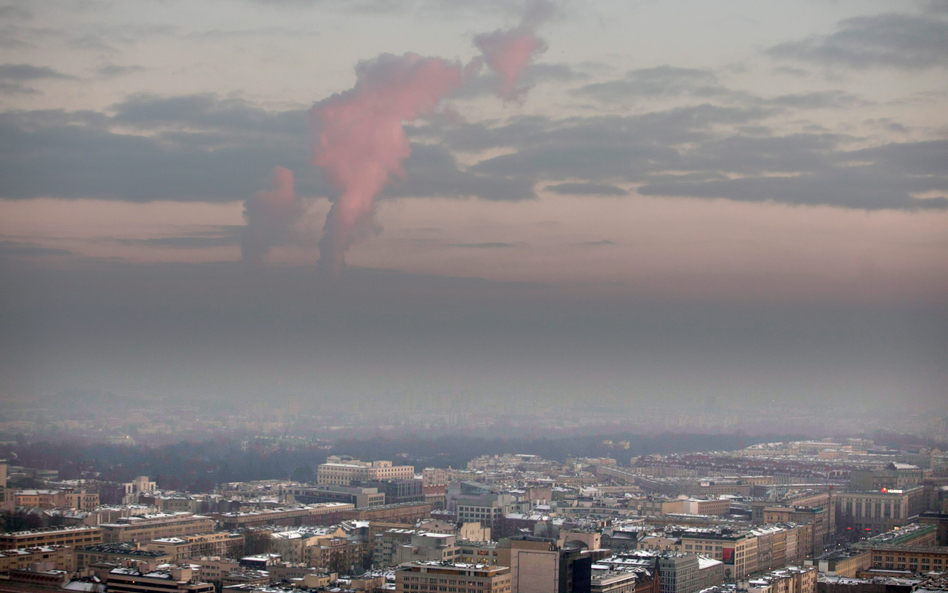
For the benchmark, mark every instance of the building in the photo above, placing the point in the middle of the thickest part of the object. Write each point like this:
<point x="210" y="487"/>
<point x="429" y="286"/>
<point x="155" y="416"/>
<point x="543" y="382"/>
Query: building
<point x="792" y="579"/>
<point x="710" y="572"/>
<point x="861" y="513"/>
<point x="911" y="558"/>
<point x="410" y="512"/>
<point x="59" y="557"/>
<point x="136" y="487"/>
<point x="315" y="514"/>
<point x="117" y="553"/>
<point x="477" y="552"/>
<point x="738" y="551"/>
<point x="711" y="506"/>
<point x="421" y="577"/>
<point x="679" y="573"/>
<point x="357" y="496"/>
<point x="41" y="575"/>
<point x="538" y="565"/>
<point x="152" y="527"/>
<point x="845" y="563"/>
<point x="894" y="476"/>
<point x="144" y="579"/>
<point x="609" y="579"/>
<point x="488" y="509"/>
<point x="62" y="536"/>
<point x="52" y="499"/>
<point x="201" y="544"/>
<point x="400" y="491"/>
<point x="427" y="547"/>
<point x="343" y="473"/>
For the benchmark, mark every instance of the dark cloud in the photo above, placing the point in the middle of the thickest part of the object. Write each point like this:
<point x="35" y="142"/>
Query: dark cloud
<point x="815" y="100"/>
<point x="489" y="245"/>
<point x="486" y="84"/>
<point x="203" y="148"/>
<point x="197" y="148"/>
<point x="690" y="152"/>
<point x="12" y="77"/>
<point x="13" y="11"/>
<point x="432" y="171"/>
<point x="889" y="40"/>
<point x="113" y="70"/>
<point x="938" y="6"/>
<point x="602" y="243"/>
<point x="218" y="236"/>
<point x="662" y="81"/>
<point x="43" y="154"/>
<point x="587" y="189"/>
<point x="22" y="249"/>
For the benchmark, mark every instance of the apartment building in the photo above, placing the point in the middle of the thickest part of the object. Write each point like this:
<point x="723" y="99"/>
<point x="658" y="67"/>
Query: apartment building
<point x="117" y="553"/>
<point x="792" y="579"/>
<point x="476" y="552"/>
<point x="427" y="547"/>
<point x="679" y="573"/>
<point x="63" y="536"/>
<point x="200" y="544"/>
<point x="738" y="551"/>
<point x="323" y="513"/>
<point x="152" y="527"/>
<point x="179" y="579"/>
<point x="912" y="558"/>
<point x="710" y="506"/>
<point x="61" y="558"/>
<point x="52" y="499"/>
<point x="421" y="577"/>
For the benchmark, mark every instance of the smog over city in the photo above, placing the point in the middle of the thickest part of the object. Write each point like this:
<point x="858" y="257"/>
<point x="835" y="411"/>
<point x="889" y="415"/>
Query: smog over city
<point x="527" y="295"/>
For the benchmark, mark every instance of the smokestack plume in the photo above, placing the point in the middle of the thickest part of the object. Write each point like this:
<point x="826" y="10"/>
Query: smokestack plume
<point x="358" y="138"/>
<point x="271" y="215"/>
<point x="507" y="53"/>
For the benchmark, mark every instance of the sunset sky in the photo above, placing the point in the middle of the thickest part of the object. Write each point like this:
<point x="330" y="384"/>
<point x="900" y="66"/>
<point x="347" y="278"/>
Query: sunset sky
<point x="742" y="197"/>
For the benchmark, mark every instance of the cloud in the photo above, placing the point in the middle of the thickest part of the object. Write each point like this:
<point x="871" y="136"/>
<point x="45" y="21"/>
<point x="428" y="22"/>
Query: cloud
<point x="489" y="245"/>
<point x="204" y="238"/>
<point x="901" y="41"/>
<point x="12" y="11"/>
<point x="602" y="243"/>
<point x="12" y="77"/>
<point x="113" y="70"/>
<point x="709" y="152"/>
<point x="586" y="189"/>
<point x="661" y="81"/>
<point x="21" y="249"/>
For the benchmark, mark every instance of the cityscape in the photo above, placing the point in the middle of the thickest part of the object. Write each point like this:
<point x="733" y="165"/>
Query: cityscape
<point x="473" y="296"/>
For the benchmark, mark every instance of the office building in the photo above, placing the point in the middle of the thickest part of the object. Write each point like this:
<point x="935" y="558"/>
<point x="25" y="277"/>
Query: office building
<point x="420" y="577"/>
<point x="62" y="536"/>
<point x="340" y="472"/>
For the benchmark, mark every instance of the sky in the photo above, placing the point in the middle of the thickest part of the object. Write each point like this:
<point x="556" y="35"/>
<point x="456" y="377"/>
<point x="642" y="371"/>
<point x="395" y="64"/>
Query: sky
<point x="617" y="201"/>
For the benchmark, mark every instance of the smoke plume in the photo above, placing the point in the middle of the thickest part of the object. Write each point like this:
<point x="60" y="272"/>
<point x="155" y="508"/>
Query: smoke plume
<point x="508" y="52"/>
<point x="360" y="142"/>
<point x="271" y="215"/>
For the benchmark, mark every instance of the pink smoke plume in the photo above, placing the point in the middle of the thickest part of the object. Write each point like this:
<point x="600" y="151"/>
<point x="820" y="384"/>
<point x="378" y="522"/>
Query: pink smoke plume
<point x="360" y="142"/>
<point x="507" y="53"/>
<point x="271" y="215"/>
